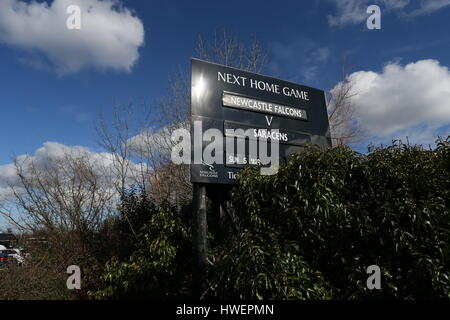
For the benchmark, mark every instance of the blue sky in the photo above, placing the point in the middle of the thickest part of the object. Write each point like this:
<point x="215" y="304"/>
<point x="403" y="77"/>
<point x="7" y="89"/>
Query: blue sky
<point x="47" y="97"/>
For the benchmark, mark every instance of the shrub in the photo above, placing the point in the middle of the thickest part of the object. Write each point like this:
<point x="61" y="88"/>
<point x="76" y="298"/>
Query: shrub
<point x="346" y="211"/>
<point x="42" y="277"/>
<point x="309" y="232"/>
<point x="254" y="267"/>
<point x="161" y="265"/>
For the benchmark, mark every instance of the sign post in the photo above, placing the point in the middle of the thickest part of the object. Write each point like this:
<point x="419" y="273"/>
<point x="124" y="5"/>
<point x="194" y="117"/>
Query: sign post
<point x="230" y="110"/>
<point x="199" y="235"/>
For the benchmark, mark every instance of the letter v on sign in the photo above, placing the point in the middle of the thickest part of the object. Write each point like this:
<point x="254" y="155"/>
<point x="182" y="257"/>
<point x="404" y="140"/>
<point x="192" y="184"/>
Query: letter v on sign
<point x="269" y="122"/>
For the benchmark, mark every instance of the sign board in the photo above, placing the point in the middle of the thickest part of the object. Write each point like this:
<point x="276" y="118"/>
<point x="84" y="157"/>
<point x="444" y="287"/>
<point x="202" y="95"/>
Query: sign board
<point x="236" y="101"/>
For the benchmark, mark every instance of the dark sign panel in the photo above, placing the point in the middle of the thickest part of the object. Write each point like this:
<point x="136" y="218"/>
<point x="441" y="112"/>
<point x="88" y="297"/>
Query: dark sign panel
<point x="246" y="106"/>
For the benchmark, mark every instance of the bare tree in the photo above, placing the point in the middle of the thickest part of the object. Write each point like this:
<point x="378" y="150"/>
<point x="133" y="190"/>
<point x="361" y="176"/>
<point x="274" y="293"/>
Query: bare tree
<point x="65" y="199"/>
<point x="68" y="194"/>
<point x="117" y="143"/>
<point x="151" y="147"/>
<point x="227" y="50"/>
<point x="343" y="126"/>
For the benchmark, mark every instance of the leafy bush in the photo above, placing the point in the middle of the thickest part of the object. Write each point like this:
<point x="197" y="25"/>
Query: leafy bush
<point x="309" y="232"/>
<point x="254" y="267"/>
<point x="346" y="211"/>
<point x="161" y="265"/>
<point x="42" y="277"/>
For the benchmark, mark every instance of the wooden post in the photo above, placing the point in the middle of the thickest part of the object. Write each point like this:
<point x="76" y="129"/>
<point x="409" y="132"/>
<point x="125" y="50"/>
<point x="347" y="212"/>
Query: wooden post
<point x="199" y="242"/>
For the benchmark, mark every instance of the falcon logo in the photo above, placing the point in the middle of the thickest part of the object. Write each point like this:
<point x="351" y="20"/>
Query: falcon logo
<point x="210" y="166"/>
<point x="210" y="173"/>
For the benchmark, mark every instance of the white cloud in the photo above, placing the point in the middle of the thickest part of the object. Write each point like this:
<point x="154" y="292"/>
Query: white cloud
<point x="155" y="145"/>
<point x="428" y="6"/>
<point x="110" y="34"/>
<point x="411" y="100"/>
<point x="52" y="153"/>
<point x="7" y="177"/>
<point x="52" y="159"/>
<point x="350" y="12"/>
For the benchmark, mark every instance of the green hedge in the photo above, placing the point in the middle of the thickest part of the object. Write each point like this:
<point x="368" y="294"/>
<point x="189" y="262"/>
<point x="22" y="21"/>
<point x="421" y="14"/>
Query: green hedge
<point x="308" y="232"/>
<point x="161" y="265"/>
<point x="346" y="211"/>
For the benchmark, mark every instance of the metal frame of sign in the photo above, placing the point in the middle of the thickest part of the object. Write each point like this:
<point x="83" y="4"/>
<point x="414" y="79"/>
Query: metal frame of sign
<point x="224" y="97"/>
<point x="227" y="98"/>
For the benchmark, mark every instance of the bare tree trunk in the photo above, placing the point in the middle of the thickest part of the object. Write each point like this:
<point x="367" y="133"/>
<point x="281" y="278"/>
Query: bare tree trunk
<point x="341" y="113"/>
